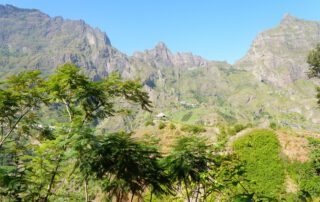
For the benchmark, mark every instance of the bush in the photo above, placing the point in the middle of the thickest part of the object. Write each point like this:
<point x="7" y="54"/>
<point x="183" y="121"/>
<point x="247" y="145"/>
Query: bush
<point x="222" y="136"/>
<point x="186" y="117"/>
<point x="315" y="154"/>
<point x="260" y="150"/>
<point x="249" y="125"/>
<point x="194" y="129"/>
<point x="273" y="125"/>
<point x="231" y="131"/>
<point x="149" y="123"/>
<point x="172" y="126"/>
<point x="162" y="125"/>
<point x="238" y="127"/>
<point x="305" y="176"/>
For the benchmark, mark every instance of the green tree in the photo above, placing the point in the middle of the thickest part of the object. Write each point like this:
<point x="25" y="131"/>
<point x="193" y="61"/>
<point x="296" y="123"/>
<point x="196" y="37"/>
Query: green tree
<point x="20" y="97"/>
<point x="38" y="160"/>
<point x="84" y="102"/>
<point x="125" y="165"/>
<point x="313" y="60"/>
<point x="191" y="157"/>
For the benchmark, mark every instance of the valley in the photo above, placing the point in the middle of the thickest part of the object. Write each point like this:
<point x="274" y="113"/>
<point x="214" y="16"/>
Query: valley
<point x="82" y="121"/>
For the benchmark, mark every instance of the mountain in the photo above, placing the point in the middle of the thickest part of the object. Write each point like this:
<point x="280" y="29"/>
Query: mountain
<point x="31" y="39"/>
<point x="161" y="56"/>
<point x="278" y="56"/>
<point x="267" y="85"/>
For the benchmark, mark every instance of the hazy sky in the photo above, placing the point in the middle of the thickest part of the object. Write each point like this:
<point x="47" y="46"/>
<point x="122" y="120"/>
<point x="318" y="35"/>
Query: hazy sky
<point x="219" y="30"/>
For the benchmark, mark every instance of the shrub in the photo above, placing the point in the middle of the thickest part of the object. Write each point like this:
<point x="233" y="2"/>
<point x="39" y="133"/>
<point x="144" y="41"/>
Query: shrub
<point x="172" y="126"/>
<point x="238" y="127"/>
<point x="305" y="176"/>
<point x="273" y="125"/>
<point x="162" y="125"/>
<point x="194" y="129"/>
<point x="315" y="154"/>
<point x="149" y="123"/>
<point x="249" y="125"/>
<point x="186" y="117"/>
<point x="260" y="150"/>
<point x="231" y="131"/>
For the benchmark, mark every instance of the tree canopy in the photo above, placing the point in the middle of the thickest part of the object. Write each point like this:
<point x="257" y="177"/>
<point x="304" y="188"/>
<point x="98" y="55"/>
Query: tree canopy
<point x="51" y="149"/>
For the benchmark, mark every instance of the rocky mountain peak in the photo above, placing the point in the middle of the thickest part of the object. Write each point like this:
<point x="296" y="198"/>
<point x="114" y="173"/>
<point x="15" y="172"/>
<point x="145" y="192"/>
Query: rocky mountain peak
<point x="9" y="10"/>
<point x="161" y="46"/>
<point x="278" y="55"/>
<point x="288" y="19"/>
<point x="18" y="21"/>
<point x="41" y="42"/>
<point x="161" y="56"/>
<point x="161" y="52"/>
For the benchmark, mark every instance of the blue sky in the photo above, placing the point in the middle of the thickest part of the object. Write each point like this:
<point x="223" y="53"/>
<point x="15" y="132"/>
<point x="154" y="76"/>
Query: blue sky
<point x="216" y="30"/>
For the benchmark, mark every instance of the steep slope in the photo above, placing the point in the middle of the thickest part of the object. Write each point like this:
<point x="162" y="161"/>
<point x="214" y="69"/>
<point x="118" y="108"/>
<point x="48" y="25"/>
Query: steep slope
<point x="291" y="161"/>
<point x="267" y="85"/>
<point x="30" y="39"/>
<point x="168" y="76"/>
<point x="278" y="55"/>
<point x="161" y="56"/>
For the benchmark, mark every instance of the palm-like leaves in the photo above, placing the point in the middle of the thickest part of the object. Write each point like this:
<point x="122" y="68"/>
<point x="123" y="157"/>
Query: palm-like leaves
<point x="190" y="158"/>
<point x="119" y="158"/>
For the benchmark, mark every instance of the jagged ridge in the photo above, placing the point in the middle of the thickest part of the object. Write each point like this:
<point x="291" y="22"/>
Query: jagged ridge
<point x="268" y="84"/>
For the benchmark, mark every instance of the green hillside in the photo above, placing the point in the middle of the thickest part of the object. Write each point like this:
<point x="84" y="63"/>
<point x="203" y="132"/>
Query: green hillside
<point x="82" y="121"/>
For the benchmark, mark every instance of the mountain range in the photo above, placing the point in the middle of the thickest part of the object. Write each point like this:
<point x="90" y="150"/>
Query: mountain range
<point x="268" y="85"/>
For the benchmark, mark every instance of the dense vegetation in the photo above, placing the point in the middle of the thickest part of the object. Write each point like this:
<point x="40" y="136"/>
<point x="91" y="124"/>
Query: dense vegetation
<point x="185" y="87"/>
<point x="306" y="174"/>
<point x="265" y="171"/>
<point x="68" y="158"/>
<point x="45" y="162"/>
<point x="52" y="150"/>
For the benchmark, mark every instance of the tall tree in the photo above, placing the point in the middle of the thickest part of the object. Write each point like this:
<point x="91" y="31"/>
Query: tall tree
<point x="313" y="60"/>
<point x="190" y="158"/>
<point x="20" y="98"/>
<point x="126" y="165"/>
<point x="50" y="157"/>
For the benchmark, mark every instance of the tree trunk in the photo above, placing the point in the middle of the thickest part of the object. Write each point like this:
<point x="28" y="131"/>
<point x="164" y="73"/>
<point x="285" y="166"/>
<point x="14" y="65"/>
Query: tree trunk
<point x="118" y="197"/>
<point x="198" y="191"/>
<point x="86" y="190"/>
<point x="186" y="187"/>
<point x="151" y="193"/>
<point x="204" y="193"/>
<point x="53" y="178"/>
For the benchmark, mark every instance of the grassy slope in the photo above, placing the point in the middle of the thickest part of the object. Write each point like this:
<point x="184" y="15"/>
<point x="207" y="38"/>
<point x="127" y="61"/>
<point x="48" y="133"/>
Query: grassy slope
<point x="260" y="150"/>
<point x="284" y="169"/>
<point x="305" y="173"/>
<point x="279" y="163"/>
<point x="235" y="96"/>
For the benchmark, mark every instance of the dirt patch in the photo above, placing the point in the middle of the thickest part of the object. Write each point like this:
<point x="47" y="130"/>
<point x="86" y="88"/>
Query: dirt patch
<point x="291" y="186"/>
<point x="294" y="147"/>
<point x="167" y="136"/>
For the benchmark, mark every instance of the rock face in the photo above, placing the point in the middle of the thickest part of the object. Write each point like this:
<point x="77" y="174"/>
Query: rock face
<point x="161" y="56"/>
<point x="33" y="40"/>
<point x="278" y="55"/>
<point x="30" y="39"/>
<point x="267" y="85"/>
